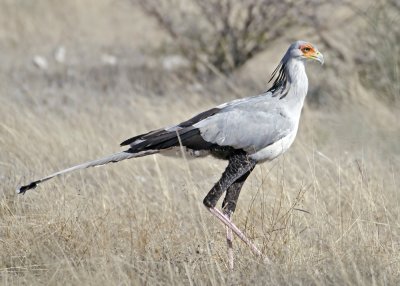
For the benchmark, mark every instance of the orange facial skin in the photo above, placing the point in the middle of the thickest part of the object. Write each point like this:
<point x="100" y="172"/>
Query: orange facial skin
<point x="308" y="50"/>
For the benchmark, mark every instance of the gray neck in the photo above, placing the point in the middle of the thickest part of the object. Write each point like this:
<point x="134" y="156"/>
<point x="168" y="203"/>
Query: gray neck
<point x="297" y="77"/>
<point x="297" y="82"/>
<point x="290" y="80"/>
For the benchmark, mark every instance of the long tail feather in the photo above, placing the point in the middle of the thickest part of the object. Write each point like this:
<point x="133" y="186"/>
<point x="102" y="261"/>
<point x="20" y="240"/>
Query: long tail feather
<point x="99" y="162"/>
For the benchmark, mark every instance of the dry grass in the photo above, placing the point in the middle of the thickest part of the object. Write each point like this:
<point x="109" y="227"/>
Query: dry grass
<point x="326" y="213"/>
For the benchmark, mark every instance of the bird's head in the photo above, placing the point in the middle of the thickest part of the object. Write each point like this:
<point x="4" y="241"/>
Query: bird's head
<point x="304" y="51"/>
<point x="298" y="51"/>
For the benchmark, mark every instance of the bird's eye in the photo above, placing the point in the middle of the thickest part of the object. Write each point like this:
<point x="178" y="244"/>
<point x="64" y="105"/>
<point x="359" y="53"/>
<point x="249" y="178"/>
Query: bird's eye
<point x="306" y="49"/>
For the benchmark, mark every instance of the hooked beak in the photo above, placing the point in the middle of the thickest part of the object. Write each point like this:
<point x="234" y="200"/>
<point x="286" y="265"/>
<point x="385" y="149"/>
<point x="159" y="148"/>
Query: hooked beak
<point x="318" y="57"/>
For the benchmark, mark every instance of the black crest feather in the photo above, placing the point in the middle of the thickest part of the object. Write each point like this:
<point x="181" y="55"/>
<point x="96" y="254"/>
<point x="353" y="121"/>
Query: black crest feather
<point x="280" y="85"/>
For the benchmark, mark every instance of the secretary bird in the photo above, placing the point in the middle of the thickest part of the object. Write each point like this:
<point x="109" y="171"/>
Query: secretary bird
<point x="244" y="132"/>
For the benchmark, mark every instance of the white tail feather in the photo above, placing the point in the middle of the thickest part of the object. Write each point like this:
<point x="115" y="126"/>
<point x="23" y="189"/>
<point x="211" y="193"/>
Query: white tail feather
<point x="99" y="162"/>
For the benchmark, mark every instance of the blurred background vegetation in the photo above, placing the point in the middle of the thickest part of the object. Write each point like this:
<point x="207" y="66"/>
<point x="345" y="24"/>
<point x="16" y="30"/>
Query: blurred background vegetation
<point x="219" y="37"/>
<point x="203" y="41"/>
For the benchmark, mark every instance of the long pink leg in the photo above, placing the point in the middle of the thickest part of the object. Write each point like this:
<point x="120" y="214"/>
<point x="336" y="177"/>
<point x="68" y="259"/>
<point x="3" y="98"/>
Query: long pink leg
<point x="219" y="215"/>
<point x="229" y="241"/>
<point x="239" y="167"/>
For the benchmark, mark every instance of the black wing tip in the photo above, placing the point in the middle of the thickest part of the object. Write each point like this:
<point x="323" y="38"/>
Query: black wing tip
<point x="23" y="189"/>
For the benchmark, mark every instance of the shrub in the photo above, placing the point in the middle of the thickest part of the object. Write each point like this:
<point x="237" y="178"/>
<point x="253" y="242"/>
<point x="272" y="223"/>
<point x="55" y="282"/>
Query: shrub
<point x="222" y="35"/>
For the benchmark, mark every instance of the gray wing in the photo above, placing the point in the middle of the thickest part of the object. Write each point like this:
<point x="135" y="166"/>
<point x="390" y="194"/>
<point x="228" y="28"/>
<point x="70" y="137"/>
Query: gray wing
<point x="251" y="124"/>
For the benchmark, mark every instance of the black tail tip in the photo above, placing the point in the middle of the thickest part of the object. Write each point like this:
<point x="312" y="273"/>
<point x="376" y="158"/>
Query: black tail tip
<point x="23" y="189"/>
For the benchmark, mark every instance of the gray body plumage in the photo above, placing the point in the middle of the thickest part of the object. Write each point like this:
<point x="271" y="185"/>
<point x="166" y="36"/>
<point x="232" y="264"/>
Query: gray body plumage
<point x="263" y="126"/>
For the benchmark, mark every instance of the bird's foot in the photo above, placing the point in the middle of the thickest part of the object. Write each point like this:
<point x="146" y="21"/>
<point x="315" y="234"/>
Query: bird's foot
<point x="219" y="215"/>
